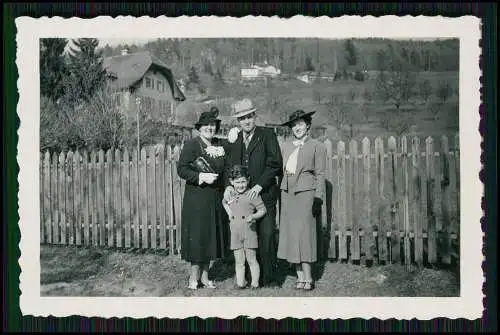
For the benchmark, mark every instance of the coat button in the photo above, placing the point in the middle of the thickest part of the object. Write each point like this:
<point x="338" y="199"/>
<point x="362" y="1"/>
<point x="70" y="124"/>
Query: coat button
<point x="243" y="217"/>
<point x="232" y="217"/>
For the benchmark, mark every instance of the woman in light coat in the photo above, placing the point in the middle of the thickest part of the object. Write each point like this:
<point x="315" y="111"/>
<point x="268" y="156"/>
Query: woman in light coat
<point x="302" y="188"/>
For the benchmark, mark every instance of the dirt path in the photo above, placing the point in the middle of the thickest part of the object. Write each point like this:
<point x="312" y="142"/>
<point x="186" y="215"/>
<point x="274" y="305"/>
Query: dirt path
<point x="77" y="271"/>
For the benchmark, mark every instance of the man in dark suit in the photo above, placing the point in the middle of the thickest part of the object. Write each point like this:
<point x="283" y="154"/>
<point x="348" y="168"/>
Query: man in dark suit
<point x="259" y="150"/>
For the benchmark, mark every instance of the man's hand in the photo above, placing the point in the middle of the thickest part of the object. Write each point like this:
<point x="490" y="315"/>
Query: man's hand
<point x="229" y="194"/>
<point x="254" y="191"/>
<point x="250" y="219"/>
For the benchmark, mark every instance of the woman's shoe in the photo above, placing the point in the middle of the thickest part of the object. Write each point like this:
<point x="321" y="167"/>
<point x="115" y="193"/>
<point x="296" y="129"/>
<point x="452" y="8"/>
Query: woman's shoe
<point x="209" y="284"/>
<point x="299" y="285"/>
<point x="193" y="285"/>
<point x="308" y="285"/>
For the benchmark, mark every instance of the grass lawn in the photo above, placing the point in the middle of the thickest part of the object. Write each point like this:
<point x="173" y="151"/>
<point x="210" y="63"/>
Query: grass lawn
<point x="82" y="271"/>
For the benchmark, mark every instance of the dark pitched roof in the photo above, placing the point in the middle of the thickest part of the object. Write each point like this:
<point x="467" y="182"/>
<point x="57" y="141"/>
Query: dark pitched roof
<point x="128" y="69"/>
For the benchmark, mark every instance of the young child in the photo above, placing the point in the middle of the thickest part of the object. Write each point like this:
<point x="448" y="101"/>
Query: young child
<point x="243" y="213"/>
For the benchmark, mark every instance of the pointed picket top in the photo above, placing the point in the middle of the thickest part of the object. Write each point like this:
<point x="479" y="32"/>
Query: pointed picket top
<point x="109" y="156"/>
<point x="46" y="157"/>
<point x="391" y="143"/>
<point x="340" y="146"/>
<point x="69" y="158"/>
<point x="328" y="145"/>
<point x="429" y="140"/>
<point x="126" y="156"/>
<point x="177" y="151"/>
<point x="101" y="156"/>
<point x="117" y="156"/>
<point x="444" y="144"/>
<point x="77" y="158"/>
<point x="353" y="148"/>
<point x="61" y="158"/>
<point x="404" y="144"/>
<point x="93" y="156"/>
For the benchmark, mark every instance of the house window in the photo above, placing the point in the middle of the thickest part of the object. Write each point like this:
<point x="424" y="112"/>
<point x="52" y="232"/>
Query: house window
<point x="149" y="83"/>
<point x="160" y="86"/>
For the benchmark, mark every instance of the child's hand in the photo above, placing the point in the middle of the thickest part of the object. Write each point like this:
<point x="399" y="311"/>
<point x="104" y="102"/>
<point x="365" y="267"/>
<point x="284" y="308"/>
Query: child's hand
<point x="251" y="219"/>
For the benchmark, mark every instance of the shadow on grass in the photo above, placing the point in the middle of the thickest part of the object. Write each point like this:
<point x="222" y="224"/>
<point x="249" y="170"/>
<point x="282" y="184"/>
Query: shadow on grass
<point x="63" y="264"/>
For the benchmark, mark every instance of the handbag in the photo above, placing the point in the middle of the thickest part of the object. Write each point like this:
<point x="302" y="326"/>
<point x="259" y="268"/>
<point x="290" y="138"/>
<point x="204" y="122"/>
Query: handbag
<point x="200" y="164"/>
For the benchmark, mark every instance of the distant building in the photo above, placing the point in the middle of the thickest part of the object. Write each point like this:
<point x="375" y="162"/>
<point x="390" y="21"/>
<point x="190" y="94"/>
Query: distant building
<point x="141" y="75"/>
<point x="259" y="71"/>
<point x="310" y="77"/>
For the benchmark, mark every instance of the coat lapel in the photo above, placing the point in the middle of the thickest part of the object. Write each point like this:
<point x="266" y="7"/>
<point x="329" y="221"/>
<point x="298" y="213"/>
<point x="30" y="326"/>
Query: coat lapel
<point x="254" y="141"/>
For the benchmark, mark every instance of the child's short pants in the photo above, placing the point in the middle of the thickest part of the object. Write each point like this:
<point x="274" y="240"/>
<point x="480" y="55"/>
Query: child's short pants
<point x="243" y="234"/>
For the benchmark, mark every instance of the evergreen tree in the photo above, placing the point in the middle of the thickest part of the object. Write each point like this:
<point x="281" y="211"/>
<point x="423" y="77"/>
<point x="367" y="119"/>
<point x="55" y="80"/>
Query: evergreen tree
<point x="309" y="65"/>
<point x="352" y="53"/>
<point x="86" y="70"/>
<point x="52" y="67"/>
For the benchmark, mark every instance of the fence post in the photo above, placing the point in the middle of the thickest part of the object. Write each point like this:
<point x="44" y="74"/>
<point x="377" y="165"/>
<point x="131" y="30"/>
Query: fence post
<point x="382" y="231"/>
<point x="108" y="192"/>
<point x="41" y="195"/>
<point x="370" y="244"/>
<point x="62" y="195"/>
<point x="77" y="197"/>
<point x="85" y="195"/>
<point x="126" y="196"/>
<point x="341" y="207"/>
<point x="101" y="198"/>
<point x="143" y="200"/>
<point x="93" y="196"/>
<point x="406" y="209"/>
<point x="417" y="202"/>
<point x="431" y="231"/>
<point x="69" y="198"/>
<point x="160" y="191"/>
<point x="395" y="207"/>
<point x="332" y="251"/>
<point x="134" y="192"/>
<point x="47" y="197"/>
<point x="445" y="200"/>
<point x="177" y="199"/>
<point x="170" y="197"/>
<point x="152" y="194"/>
<point x="54" y="189"/>
<point x="354" y="217"/>
<point x="117" y="194"/>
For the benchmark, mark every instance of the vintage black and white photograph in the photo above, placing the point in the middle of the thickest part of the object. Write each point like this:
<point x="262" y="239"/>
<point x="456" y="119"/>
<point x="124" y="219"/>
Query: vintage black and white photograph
<point x="263" y="167"/>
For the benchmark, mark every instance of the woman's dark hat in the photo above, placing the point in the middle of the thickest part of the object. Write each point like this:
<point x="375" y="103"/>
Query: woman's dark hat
<point x="298" y="114"/>
<point x="208" y="117"/>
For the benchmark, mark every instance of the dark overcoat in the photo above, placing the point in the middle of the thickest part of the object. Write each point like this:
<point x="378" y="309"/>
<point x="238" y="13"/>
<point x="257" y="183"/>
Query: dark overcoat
<point x="204" y="222"/>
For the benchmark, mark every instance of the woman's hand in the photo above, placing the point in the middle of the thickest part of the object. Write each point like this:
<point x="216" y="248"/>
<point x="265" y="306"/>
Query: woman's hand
<point x="207" y="178"/>
<point x="229" y="194"/>
<point x="316" y="208"/>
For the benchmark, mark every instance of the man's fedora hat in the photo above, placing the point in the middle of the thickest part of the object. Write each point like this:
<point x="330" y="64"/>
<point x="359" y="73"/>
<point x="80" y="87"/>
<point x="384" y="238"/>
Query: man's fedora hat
<point x="242" y="108"/>
<point x="298" y="114"/>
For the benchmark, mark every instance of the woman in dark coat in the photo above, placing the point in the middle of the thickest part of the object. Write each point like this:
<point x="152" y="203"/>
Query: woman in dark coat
<point x="203" y="219"/>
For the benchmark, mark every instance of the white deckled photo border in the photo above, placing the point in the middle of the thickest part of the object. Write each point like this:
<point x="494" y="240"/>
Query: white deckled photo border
<point x="468" y="305"/>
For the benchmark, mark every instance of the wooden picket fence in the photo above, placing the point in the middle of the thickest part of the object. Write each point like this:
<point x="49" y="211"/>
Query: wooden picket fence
<point x="399" y="203"/>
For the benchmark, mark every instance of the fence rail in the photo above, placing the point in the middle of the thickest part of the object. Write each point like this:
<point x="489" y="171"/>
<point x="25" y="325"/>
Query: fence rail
<point x="398" y="202"/>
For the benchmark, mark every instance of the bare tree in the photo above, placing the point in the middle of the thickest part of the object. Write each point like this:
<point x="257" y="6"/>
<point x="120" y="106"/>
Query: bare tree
<point x="395" y="80"/>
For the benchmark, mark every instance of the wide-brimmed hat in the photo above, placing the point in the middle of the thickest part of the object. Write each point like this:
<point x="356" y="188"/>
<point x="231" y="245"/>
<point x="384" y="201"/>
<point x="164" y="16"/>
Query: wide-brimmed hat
<point x="242" y="107"/>
<point x="208" y="117"/>
<point x="298" y="114"/>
